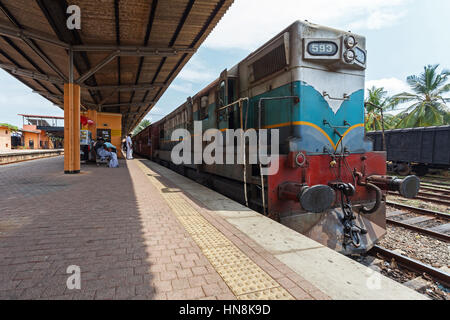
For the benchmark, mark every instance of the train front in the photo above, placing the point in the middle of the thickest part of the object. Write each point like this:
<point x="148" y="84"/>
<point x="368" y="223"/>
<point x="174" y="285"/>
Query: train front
<point x="331" y="185"/>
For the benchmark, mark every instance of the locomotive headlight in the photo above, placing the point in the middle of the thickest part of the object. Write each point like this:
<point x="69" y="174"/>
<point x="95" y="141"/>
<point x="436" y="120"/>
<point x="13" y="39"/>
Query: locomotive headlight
<point x="349" y="56"/>
<point x="350" y="42"/>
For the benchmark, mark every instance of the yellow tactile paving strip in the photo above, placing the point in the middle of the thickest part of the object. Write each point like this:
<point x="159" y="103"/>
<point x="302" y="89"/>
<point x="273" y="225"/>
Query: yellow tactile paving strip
<point x="244" y="277"/>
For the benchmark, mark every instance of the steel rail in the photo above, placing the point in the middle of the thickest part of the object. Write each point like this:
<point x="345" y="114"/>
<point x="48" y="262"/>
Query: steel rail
<point x="437" y="189"/>
<point x="433" y="195"/>
<point x="419" y="210"/>
<point x="424" y="198"/>
<point x="414" y="265"/>
<point x="435" y="183"/>
<point x="437" y="235"/>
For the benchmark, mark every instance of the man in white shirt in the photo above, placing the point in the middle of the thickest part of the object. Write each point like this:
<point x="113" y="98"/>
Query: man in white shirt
<point x="129" y="148"/>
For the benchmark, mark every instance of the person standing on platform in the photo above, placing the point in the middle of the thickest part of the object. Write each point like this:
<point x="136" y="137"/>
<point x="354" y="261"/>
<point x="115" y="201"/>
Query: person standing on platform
<point x="129" y="148"/>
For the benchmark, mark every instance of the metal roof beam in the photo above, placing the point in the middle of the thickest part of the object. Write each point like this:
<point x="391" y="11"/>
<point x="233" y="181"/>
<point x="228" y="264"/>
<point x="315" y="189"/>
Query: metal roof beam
<point x="134" y="49"/>
<point x="130" y="87"/>
<point x="19" y="33"/>
<point x="59" y="97"/>
<point x="138" y="52"/>
<point x="140" y="104"/>
<point x="50" y="95"/>
<point x="31" y="74"/>
<point x="44" y="57"/>
<point x="99" y="66"/>
<point x="31" y="43"/>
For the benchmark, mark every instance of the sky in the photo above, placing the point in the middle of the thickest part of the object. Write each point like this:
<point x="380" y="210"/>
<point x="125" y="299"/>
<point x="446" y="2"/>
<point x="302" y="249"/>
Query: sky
<point x="402" y="37"/>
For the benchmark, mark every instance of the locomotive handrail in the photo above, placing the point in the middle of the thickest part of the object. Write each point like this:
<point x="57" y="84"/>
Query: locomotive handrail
<point x="345" y="126"/>
<point x="345" y="98"/>
<point x="232" y="104"/>
<point x="239" y="102"/>
<point x="259" y="127"/>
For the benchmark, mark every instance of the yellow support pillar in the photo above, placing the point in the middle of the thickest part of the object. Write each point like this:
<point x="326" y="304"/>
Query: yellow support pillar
<point x="71" y="128"/>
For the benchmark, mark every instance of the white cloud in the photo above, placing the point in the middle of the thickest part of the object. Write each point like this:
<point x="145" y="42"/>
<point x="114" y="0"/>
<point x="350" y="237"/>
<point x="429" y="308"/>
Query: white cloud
<point x="377" y="20"/>
<point x="391" y="85"/>
<point x="249" y="23"/>
<point x="196" y="71"/>
<point x="186" y="87"/>
<point x="195" y="75"/>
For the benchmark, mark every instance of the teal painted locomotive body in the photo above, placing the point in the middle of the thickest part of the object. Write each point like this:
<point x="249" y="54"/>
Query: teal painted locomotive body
<point x="308" y="83"/>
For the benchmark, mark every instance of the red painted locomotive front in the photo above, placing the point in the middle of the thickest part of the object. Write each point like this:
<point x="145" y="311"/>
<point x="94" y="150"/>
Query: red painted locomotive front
<point x="326" y="227"/>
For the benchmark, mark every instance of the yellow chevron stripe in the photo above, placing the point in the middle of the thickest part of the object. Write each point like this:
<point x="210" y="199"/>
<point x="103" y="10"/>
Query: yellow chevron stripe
<point x="304" y="123"/>
<point x="348" y="131"/>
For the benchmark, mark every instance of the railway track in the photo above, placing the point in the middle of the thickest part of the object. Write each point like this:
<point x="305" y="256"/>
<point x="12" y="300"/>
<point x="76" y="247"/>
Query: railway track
<point x="435" y="183"/>
<point x="430" y="197"/>
<point x="434" y="189"/>
<point x="440" y="226"/>
<point x="444" y="195"/>
<point x="413" y="265"/>
<point x="435" y="186"/>
<point x="422" y="211"/>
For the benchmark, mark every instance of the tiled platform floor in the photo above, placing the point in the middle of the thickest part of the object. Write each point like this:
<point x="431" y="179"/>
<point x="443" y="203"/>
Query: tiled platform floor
<point x="118" y="226"/>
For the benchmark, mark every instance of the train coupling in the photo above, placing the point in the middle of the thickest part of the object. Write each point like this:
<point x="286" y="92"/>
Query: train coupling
<point x="408" y="187"/>
<point x="315" y="199"/>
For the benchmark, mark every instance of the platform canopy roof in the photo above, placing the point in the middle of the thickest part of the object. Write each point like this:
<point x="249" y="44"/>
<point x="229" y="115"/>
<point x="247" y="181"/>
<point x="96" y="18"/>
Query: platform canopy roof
<point x="126" y="53"/>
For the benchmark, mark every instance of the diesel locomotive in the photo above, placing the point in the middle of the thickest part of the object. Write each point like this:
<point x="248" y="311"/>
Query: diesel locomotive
<point x="308" y="83"/>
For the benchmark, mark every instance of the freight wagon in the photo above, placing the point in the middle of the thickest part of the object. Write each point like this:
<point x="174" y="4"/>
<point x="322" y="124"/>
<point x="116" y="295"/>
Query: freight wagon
<point x="416" y="149"/>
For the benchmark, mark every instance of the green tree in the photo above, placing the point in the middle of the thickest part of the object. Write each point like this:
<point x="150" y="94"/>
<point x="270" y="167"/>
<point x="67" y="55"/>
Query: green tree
<point x="429" y="107"/>
<point x="10" y="126"/>
<point x="144" y="124"/>
<point x="378" y="97"/>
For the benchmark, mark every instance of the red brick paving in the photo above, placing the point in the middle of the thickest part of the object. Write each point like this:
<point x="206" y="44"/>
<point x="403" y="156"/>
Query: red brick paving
<point x="115" y="226"/>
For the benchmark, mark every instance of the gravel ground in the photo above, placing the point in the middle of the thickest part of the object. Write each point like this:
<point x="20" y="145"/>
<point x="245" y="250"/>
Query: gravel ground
<point x="423" y="248"/>
<point x="419" y="247"/>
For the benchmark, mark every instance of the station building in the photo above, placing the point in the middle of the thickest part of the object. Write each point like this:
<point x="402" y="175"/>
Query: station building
<point x="5" y="138"/>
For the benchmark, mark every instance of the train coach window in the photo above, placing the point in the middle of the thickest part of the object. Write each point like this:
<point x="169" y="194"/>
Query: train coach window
<point x="204" y="107"/>
<point x="231" y="90"/>
<point x="221" y="95"/>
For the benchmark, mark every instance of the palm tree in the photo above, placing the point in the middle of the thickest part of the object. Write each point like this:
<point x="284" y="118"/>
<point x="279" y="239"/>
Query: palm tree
<point x="144" y="124"/>
<point x="376" y="101"/>
<point x="429" y="106"/>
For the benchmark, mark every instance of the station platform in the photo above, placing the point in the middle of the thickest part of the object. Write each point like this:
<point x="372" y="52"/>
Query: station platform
<point x="142" y="231"/>
<point x="14" y="156"/>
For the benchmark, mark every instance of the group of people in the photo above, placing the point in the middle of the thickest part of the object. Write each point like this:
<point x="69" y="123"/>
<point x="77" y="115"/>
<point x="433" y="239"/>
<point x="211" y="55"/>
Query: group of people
<point x="105" y="151"/>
